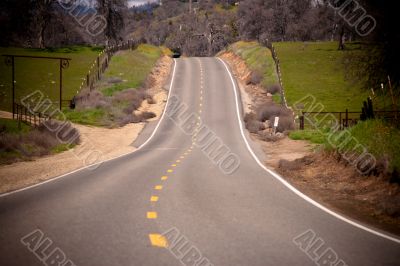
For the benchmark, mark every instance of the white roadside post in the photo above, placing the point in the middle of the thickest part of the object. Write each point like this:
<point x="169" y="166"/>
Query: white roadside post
<point x="276" y="123"/>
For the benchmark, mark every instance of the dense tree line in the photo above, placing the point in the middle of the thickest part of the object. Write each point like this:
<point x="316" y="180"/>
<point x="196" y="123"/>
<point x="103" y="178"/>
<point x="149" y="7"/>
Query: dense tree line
<point x="55" y="23"/>
<point x="204" y="27"/>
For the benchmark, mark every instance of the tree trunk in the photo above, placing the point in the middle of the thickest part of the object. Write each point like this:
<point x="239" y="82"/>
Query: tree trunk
<point x="342" y="39"/>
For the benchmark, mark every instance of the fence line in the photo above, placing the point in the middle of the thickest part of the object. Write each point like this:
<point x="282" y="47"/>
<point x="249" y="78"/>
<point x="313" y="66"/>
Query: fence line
<point x="102" y="62"/>
<point x="30" y="117"/>
<point x="346" y="119"/>
<point x="278" y="71"/>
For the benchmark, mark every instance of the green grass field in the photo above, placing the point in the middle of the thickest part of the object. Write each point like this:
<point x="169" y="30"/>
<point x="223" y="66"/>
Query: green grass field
<point x="380" y="139"/>
<point x="317" y="69"/>
<point x="43" y="75"/>
<point x="132" y="67"/>
<point x="258" y="59"/>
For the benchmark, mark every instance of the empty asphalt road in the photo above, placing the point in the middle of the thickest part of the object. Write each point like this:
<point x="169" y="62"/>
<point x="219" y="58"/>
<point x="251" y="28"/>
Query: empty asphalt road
<point x="214" y="207"/>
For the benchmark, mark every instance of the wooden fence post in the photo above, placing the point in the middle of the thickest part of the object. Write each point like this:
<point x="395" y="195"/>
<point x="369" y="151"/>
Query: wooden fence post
<point x="302" y="122"/>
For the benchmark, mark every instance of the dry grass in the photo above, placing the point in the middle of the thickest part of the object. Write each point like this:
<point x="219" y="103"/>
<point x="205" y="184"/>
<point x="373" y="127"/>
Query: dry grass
<point x="48" y="138"/>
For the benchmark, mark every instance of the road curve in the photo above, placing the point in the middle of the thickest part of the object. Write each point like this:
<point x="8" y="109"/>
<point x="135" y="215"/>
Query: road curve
<point x="220" y="208"/>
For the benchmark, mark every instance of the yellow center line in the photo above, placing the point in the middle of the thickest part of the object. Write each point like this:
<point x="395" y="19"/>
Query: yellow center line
<point x="158" y="240"/>
<point x="169" y="171"/>
<point x="151" y="215"/>
<point x="154" y="199"/>
<point x="174" y="165"/>
<point x="158" y="187"/>
<point x="164" y="177"/>
<point x="178" y="161"/>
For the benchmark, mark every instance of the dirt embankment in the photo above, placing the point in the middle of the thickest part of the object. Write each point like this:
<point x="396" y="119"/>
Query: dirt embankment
<point x="319" y="175"/>
<point x="253" y="96"/>
<point x="97" y="144"/>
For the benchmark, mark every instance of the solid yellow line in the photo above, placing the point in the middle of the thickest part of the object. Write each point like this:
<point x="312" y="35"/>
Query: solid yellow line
<point x="158" y="240"/>
<point x="164" y="177"/>
<point x="151" y="215"/>
<point x="158" y="187"/>
<point x="154" y="198"/>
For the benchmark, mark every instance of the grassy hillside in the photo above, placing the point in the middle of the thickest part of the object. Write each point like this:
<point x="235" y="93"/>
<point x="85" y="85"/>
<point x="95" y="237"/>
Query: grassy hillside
<point x="317" y="69"/>
<point x="258" y="59"/>
<point x="380" y="139"/>
<point x="132" y="67"/>
<point x="119" y="92"/>
<point x="43" y="75"/>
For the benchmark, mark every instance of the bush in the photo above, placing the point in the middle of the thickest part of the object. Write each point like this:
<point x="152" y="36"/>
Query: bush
<point x="266" y="136"/>
<point x="255" y="78"/>
<point x="274" y="89"/>
<point x="92" y="99"/>
<point x="43" y="140"/>
<point x="254" y="126"/>
<point x="286" y="122"/>
<point x="271" y="110"/>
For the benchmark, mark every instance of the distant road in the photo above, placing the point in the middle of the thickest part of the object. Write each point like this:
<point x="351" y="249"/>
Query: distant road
<point x="114" y="214"/>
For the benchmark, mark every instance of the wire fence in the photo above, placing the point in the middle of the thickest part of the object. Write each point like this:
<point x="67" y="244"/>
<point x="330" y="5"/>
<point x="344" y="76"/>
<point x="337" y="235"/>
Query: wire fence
<point x="102" y="62"/>
<point x="343" y="120"/>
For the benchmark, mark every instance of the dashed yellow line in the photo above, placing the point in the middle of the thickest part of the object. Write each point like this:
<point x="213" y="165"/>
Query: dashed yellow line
<point x="151" y="215"/>
<point x="178" y="161"/>
<point x="158" y="240"/>
<point x="158" y="187"/>
<point x="174" y="165"/>
<point x="154" y="199"/>
<point x="169" y="170"/>
<point x="164" y="177"/>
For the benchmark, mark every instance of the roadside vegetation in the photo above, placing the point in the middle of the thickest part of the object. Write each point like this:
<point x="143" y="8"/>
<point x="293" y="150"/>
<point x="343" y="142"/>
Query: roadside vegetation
<point x="121" y="91"/>
<point x="379" y="138"/>
<point x="24" y="143"/>
<point x="317" y="69"/>
<point x="42" y="74"/>
<point x="259" y="60"/>
<point x="262" y="76"/>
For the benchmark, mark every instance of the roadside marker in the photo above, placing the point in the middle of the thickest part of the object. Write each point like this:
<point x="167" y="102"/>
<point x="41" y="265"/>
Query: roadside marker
<point x="158" y="187"/>
<point x="158" y="240"/>
<point x="151" y="215"/>
<point x="154" y="198"/>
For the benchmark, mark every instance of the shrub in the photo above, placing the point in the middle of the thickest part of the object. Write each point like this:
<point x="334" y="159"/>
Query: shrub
<point x="255" y="78"/>
<point x="265" y="112"/>
<point x="274" y="89"/>
<point x="92" y="99"/>
<point x="43" y="140"/>
<point x="286" y="122"/>
<point x="266" y="136"/>
<point x="252" y="124"/>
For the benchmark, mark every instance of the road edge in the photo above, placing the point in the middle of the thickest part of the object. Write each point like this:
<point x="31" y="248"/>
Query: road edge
<point x="108" y="160"/>
<point x="286" y="183"/>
